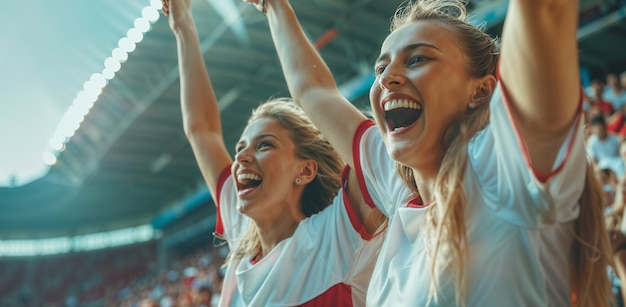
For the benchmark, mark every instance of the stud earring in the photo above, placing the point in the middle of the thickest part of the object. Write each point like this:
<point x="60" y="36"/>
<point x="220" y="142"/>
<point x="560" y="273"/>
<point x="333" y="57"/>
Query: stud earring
<point x="298" y="181"/>
<point x="472" y="105"/>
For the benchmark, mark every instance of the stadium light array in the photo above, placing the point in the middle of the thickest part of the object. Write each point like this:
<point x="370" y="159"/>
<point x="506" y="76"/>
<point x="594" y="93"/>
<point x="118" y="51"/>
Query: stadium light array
<point x="92" y="88"/>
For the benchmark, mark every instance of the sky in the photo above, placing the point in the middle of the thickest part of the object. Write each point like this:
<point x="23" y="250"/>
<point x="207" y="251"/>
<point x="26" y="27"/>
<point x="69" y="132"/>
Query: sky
<point x="49" y="49"/>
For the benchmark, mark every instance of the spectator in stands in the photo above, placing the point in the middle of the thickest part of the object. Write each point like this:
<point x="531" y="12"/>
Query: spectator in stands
<point x="274" y="199"/>
<point x="616" y="211"/>
<point x="617" y="164"/>
<point x="481" y="229"/>
<point x="202" y="296"/>
<point x="616" y="123"/>
<point x="594" y="102"/>
<point x="601" y="144"/>
<point x="608" y="182"/>
<point x="616" y="225"/>
<point x="614" y="93"/>
<point x="618" y="245"/>
<point x="148" y="302"/>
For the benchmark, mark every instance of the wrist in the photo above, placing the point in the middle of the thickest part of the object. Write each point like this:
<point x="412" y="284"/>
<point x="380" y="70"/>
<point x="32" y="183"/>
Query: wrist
<point x="275" y="6"/>
<point x="183" y="28"/>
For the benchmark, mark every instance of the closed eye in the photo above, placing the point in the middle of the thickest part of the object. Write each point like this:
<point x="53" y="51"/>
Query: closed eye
<point x="417" y="60"/>
<point x="379" y="69"/>
<point x="239" y="148"/>
<point x="264" y="144"/>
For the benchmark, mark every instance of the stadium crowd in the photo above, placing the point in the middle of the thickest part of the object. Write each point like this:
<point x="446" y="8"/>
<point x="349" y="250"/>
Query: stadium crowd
<point x="193" y="280"/>
<point x="124" y="276"/>
<point x="605" y="109"/>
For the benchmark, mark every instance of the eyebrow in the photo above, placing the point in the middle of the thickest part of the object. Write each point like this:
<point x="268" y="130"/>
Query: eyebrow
<point x="406" y="49"/>
<point x="259" y="137"/>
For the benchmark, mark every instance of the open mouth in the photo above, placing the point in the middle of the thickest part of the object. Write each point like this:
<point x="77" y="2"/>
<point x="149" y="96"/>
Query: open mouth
<point x="248" y="181"/>
<point x="401" y="113"/>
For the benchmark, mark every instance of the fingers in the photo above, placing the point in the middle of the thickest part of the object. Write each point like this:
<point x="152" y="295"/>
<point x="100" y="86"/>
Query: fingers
<point x="166" y="7"/>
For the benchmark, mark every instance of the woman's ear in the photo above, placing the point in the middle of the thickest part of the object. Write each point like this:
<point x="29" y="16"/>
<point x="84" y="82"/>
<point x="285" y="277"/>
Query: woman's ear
<point x="484" y="89"/>
<point x="308" y="171"/>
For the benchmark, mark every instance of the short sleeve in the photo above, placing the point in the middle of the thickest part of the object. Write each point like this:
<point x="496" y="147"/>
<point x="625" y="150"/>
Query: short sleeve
<point x="376" y="172"/>
<point x="231" y="224"/>
<point x="508" y="180"/>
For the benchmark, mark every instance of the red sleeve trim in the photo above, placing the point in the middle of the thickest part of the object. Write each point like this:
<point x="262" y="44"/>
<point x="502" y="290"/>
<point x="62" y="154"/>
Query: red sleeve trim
<point x="356" y="158"/>
<point x="219" y="225"/>
<point x="354" y="219"/>
<point x="543" y="178"/>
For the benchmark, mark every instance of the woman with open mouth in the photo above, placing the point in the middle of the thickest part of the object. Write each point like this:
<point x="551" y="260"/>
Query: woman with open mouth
<point x="299" y="231"/>
<point x="504" y="209"/>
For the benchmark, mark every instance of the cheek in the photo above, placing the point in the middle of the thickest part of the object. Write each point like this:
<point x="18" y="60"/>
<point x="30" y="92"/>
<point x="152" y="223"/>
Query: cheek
<point x="374" y="94"/>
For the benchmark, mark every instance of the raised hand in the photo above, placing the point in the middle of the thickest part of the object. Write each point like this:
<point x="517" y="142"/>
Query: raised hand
<point x="200" y="112"/>
<point x="259" y="4"/>
<point x="253" y="2"/>
<point x="179" y="13"/>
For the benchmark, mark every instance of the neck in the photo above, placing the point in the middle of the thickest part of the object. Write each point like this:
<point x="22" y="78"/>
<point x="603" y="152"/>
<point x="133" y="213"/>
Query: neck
<point x="425" y="182"/>
<point x="272" y="233"/>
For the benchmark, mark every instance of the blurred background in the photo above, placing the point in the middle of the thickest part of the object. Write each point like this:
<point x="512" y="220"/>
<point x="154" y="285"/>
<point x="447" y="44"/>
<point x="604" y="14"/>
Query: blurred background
<point x="101" y="200"/>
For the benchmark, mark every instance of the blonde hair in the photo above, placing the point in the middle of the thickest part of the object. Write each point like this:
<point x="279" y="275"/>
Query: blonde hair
<point x="446" y="217"/>
<point x="310" y="145"/>
<point x="591" y="251"/>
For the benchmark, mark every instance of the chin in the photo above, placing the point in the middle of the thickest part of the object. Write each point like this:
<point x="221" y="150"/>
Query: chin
<point x="244" y="207"/>
<point x="397" y="153"/>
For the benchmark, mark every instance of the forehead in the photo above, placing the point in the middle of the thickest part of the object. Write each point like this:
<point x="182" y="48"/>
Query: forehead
<point x="263" y="126"/>
<point x="422" y="31"/>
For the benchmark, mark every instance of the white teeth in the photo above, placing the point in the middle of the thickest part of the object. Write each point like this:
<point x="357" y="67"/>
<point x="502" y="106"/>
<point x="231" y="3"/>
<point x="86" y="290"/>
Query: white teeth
<point x="248" y="176"/>
<point x="402" y="103"/>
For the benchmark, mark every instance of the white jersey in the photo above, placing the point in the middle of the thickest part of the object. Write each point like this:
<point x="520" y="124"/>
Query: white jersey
<point x="602" y="149"/>
<point x="518" y="222"/>
<point x="328" y="260"/>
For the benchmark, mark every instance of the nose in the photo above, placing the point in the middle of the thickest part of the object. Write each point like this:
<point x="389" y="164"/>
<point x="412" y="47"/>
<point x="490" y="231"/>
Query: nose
<point x="244" y="156"/>
<point x="390" y="78"/>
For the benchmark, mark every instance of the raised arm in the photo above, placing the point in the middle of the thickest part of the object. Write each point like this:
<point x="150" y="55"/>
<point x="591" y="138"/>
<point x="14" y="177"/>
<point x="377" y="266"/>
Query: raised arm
<point x="312" y="86"/>
<point x="310" y="82"/>
<point x="539" y="68"/>
<point x="201" y="114"/>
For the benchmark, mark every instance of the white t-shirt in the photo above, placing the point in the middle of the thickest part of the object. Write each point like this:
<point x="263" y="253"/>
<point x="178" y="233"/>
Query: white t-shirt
<point x="328" y="260"/>
<point x="617" y="100"/>
<point x="518" y="223"/>
<point x="601" y="149"/>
